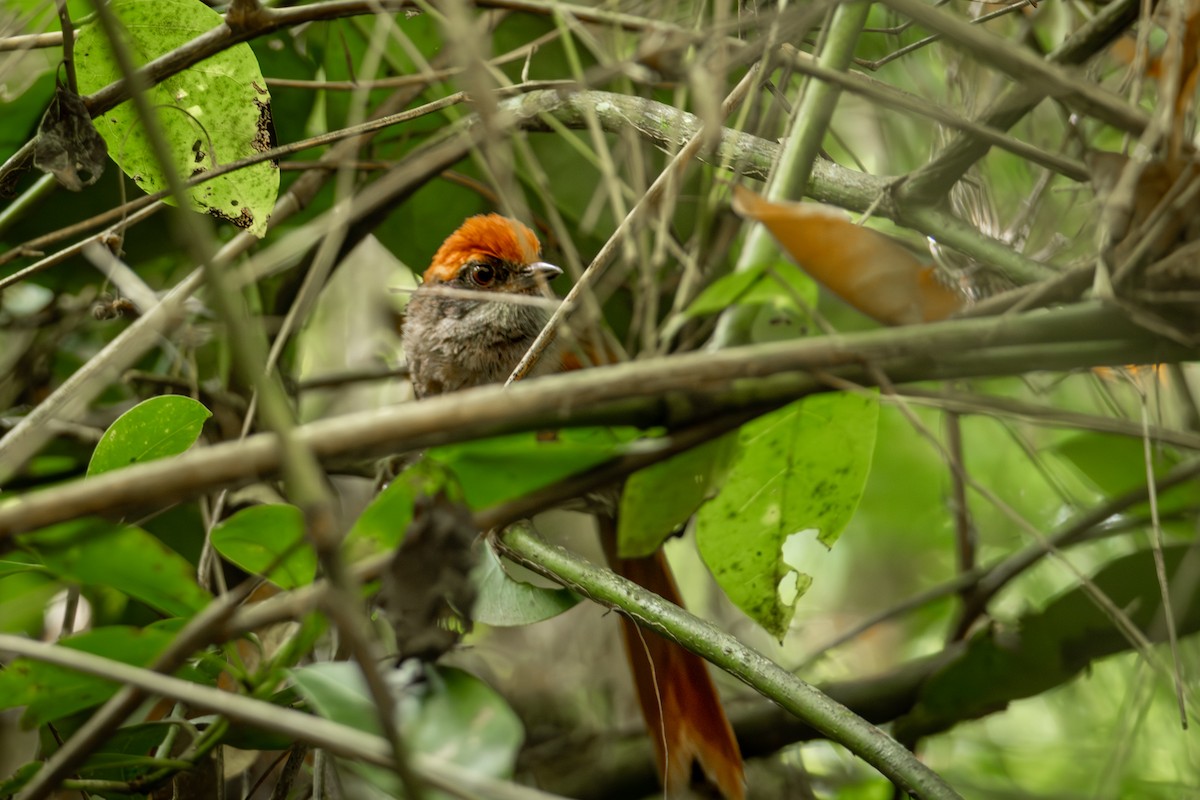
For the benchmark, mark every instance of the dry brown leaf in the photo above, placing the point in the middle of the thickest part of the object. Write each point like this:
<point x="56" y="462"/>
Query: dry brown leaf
<point x="868" y="270"/>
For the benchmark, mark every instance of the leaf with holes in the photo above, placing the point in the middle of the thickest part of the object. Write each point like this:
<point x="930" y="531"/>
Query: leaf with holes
<point x="799" y="469"/>
<point x="211" y="114"/>
<point x="155" y="428"/>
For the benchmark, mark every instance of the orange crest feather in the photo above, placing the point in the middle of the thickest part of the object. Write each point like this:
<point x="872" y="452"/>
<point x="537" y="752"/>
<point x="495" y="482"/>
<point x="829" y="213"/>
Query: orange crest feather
<point x="484" y="235"/>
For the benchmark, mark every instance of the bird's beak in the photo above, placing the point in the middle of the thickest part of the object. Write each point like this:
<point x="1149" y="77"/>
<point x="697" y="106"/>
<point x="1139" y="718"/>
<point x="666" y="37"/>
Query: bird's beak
<point x="540" y="271"/>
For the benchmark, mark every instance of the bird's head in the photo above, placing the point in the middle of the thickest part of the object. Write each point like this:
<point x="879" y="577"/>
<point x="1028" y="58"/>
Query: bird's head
<point x="491" y="253"/>
<point x="479" y="308"/>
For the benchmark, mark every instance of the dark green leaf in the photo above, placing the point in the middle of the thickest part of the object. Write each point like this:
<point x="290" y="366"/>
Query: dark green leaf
<point x="50" y="692"/>
<point x="494" y="470"/>
<point x="268" y="540"/>
<point x="155" y="428"/>
<point x="382" y="525"/>
<point x="501" y="600"/>
<point x="1117" y="464"/>
<point x="800" y="470"/>
<point x="98" y="553"/>
<point x="1003" y="663"/>
<point x="19" y="778"/>
<point x="659" y="499"/>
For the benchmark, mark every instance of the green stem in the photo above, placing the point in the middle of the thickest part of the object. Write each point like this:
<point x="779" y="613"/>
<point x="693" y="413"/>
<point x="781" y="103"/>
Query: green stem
<point x="705" y="640"/>
<point x="789" y="177"/>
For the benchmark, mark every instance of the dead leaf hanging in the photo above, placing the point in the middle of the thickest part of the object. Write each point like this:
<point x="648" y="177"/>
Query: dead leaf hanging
<point x="68" y="146"/>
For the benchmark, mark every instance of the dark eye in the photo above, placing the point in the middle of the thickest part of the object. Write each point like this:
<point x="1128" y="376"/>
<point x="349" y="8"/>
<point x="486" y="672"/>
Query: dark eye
<point x="483" y="274"/>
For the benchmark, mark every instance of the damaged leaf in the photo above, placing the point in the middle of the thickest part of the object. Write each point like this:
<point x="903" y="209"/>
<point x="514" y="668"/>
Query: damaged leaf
<point x="211" y="114"/>
<point x="68" y="146"/>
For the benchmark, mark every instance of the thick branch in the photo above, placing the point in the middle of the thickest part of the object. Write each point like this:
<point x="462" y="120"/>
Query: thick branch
<point x="674" y="391"/>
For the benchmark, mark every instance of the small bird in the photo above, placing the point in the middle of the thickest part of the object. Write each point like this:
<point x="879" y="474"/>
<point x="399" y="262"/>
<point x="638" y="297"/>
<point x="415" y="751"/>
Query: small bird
<point x="456" y="337"/>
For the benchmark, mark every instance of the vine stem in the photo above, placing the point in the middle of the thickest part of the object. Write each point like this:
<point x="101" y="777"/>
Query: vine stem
<point x="647" y="609"/>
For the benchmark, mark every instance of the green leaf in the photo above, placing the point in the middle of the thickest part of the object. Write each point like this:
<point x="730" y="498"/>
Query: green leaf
<point x="17" y="563"/>
<point x="50" y="692"/>
<point x="452" y="715"/>
<point x="659" y="499"/>
<point x="98" y="553"/>
<point x="23" y="600"/>
<point x="464" y="721"/>
<point x="780" y="282"/>
<point x="495" y="470"/>
<point x="800" y="472"/>
<point x="1002" y="663"/>
<point x="382" y="525"/>
<point x="726" y="291"/>
<point x="155" y="428"/>
<point x="503" y="601"/>
<point x="1117" y="464"/>
<point x="21" y="776"/>
<point x="212" y="113"/>
<point x="268" y="540"/>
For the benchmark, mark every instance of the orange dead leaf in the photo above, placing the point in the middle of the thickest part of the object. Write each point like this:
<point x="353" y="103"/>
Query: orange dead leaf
<point x="872" y="273"/>
<point x="1126" y="50"/>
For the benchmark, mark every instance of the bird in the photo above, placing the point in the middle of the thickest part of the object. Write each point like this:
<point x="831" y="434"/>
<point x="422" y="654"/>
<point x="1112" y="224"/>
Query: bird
<point x="456" y="336"/>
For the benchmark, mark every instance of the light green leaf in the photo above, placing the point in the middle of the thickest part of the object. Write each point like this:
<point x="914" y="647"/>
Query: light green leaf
<point x="211" y="114"/>
<point x="268" y="540"/>
<point x="452" y="715"/>
<point x="465" y="722"/>
<point x="501" y="600"/>
<point x="659" y="499"/>
<point x="94" y="552"/>
<point x="800" y="470"/>
<point x="726" y="291"/>
<point x="155" y="428"/>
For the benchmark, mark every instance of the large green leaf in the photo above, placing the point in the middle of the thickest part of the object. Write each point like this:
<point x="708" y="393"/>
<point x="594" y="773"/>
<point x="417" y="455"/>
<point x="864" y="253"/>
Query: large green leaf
<point x="50" y="692"/>
<point x="211" y="114"/>
<point x="501" y="600"/>
<point x="268" y="540"/>
<point x="155" y="428"/>
<point x="94" y="552"/>
<point x="800" y="471"/>
<point x="659" y="499"/>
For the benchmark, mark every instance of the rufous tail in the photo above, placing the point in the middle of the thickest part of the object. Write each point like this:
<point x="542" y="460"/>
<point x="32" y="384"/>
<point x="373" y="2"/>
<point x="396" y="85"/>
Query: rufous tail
<point x="683" y="712"/>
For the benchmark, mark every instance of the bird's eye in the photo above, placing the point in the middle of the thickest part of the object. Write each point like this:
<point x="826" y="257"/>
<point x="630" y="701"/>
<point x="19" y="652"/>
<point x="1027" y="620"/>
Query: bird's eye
<point x="483" y="274"/>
